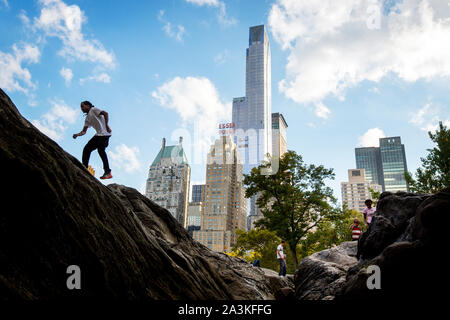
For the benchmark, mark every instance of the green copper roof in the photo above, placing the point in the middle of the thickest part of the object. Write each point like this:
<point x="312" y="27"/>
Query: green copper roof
<point x="175" y="152"/>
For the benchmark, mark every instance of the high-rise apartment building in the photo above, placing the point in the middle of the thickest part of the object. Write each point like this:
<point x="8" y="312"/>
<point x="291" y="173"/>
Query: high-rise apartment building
<point x="197" y="192"/>
<point x="224" y="208"/>
<point x="385" y="165"/>
<point x="168" y="181"/>
<point x="357" y="189"/>
<point x="279" y="135"/>
<point x="252" y="114"/>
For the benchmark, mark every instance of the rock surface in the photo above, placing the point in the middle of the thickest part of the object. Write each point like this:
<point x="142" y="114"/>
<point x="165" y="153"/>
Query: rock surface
<point x="320" y="275"/>
<point x="126" y="246"/>
<point x="407" y="240"/>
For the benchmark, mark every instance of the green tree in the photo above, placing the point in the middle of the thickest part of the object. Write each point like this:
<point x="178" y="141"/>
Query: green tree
<point x="331" y="232"/>
<point x="294" y="200"/>
<point x="435" y="172"/>
<point x="258" y="244"/>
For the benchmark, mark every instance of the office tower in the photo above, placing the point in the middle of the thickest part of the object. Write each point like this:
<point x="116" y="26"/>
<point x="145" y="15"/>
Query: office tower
<point x="168" y="181"/>
<point x="197" y="192"/>
<point x="393" y="160"/>
<point x="252" y="114"/>
<point x="224" y="208"/>
<point x="194" y="218"/>
<point x="357" y="189"/>
<point x="385" y="165"/>
<point x="279" y="135"/>
<point x="370" y="159"/>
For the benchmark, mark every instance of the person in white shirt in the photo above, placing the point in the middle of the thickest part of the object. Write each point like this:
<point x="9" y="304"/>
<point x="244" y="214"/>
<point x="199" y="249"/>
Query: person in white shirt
<point x="98" y="119"/>
<point x="281" y="257"/>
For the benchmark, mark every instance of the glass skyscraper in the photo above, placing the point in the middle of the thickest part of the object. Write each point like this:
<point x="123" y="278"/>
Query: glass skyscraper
<point x="393" y="160"/>
<point x="252" y="114"/>
<point x="197" y="192"/>
<point x="385" y="165"/>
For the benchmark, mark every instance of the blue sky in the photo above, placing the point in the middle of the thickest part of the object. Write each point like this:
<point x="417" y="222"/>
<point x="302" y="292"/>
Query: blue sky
<point x="343" y="73"/>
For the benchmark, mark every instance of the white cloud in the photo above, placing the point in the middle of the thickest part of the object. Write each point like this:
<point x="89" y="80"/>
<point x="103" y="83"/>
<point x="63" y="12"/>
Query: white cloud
<point x="222" y="15"/>
<point x="374" y="90"/>
<point x="221" y="57"/>
<point x="57" y="19"/>
<point x="125" y="157"/>
<point x="197" y="102"/>
<point x="4" y="3"/>
<point x="427" y="118"/>
<point x="67" y="74"/>
<point x="321" y="110"/>
<point x="102" y="77"/>
<point x="54" y="122"/>
<point x="371" y="138"/>
<point x="175" y="32"/>
<point x="332" y="46"/>
<point x="13" y="76"/>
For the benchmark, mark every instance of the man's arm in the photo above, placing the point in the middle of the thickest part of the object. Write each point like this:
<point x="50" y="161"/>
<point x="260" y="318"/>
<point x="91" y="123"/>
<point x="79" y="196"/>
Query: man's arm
<point x="105" y="115"/>
<point x="81" y="133"/>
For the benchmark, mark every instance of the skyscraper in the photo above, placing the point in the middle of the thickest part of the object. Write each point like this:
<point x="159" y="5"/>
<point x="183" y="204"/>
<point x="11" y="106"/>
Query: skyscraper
<point x="385" y="165"/>
<point x="224" y="208"/>
<point x="393" y="160"/>
<point x="168" y="181"/>
<point x="252" y="114"/>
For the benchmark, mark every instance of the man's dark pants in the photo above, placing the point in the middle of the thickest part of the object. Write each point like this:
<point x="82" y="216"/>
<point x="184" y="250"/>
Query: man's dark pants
<point x="282" y="267"/>
<point x="100" y="143"/>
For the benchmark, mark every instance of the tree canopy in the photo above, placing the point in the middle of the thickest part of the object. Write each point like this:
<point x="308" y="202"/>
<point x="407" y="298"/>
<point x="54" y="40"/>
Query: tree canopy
<point x="434" y="175"/>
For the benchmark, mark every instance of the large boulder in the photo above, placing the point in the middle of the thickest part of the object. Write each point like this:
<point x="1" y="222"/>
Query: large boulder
<point x="408" y="241"/>
<point x="321" y="274"/>
<point x="125" y="245"/>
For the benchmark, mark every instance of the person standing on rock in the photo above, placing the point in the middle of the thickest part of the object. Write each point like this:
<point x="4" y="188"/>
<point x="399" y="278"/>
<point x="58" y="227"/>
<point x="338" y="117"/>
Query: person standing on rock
<point x="281" y="257"/>
<point x="368" y="212"/>
<point x="98" y="119"/>
<point x="356" y="230"/>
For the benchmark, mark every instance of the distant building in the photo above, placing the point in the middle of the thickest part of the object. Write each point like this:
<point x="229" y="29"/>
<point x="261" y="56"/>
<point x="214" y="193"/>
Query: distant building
<point x="357" y="189"/>
<point x="194" y="218"/>
<point x="197" y="192"/>
<point x="224" y="208"/>
<point x="385" y="165"/>
<point x="252" y="114"/>
<point x="279" y="135"/>
<point x="168" y="181"/>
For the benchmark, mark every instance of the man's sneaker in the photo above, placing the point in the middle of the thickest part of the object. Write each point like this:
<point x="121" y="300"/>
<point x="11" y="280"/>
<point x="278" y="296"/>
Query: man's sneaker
<point x="106" y="176"/>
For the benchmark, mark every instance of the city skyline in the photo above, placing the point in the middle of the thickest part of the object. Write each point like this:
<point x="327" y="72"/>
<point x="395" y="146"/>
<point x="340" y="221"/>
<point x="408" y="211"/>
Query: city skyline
<point x="162" y="68"/>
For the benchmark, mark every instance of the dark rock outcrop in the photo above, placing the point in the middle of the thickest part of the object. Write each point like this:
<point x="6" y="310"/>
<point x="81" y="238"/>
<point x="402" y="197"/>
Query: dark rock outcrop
<point x="126" y="246"/>
<point x="407" y="240"/>
<point x="320" y="275"/>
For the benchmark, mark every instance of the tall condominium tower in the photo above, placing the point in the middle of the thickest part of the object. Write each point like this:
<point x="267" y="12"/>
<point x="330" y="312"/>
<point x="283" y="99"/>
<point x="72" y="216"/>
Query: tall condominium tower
<point x="385" y="165"/>
<point x="357" y="189"/>
<point x="224" y="208"/>
<point x="168" y="181"/>
<point x="252" y="114"/>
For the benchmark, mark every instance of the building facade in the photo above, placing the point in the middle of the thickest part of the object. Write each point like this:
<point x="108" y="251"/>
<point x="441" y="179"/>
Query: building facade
<point x="279" y="135"/>
<point x="357" y="189"/>
<point x="224" y="208"/>
<point x="168" y="181"/>
<point x="194" y="218"/>
<point x="385" y="165"/>
<point x="197" y="192"/>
